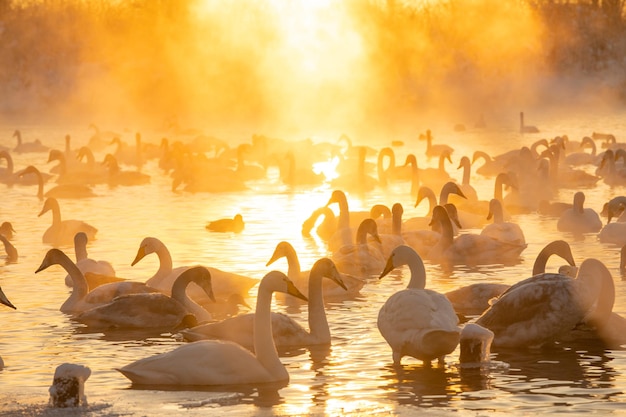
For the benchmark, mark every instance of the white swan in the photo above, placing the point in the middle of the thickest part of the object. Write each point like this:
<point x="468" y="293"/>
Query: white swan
<point x="579" y="219"/>
<point x="416" y="321"/>
<point x="117" y="176"/>
<point x="546" y="307"/>
<point x="352" y="285"/>
<point x="62" y="232"/>
<point x="96" y="272"/>
<point x="360" y="258"/>
<point x="502" y="231"/>
<point x="213" y="362"/>
<point x="58" y="191"/>
<point x="434" y="150"/>
<point x="153" y="310"/>
<point x="81" y="298"/>
<point x="25" y="147"/>
<point x="286" y="331"/>
<point x="224" y="283"/>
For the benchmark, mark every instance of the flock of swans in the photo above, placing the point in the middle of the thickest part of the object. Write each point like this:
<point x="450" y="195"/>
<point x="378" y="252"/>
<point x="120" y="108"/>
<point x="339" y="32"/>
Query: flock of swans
<point x="202" y="303"/>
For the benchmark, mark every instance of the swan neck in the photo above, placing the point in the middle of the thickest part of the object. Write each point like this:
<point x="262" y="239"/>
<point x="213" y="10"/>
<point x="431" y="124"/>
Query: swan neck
<point x="80" y="288"/>
<point x="264" y="347"/>
<point x="318" y="323"/>
<point x="418" y="274"/>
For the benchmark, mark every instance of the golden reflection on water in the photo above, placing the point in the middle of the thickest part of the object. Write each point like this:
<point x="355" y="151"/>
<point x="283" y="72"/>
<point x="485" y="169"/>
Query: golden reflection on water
<point x="355" y="375"/>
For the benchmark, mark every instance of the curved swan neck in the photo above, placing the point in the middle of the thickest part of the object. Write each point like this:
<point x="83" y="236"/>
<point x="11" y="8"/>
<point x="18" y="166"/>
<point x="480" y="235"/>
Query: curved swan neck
<point x="80" y="288"/>
<point x="466" y="165"/>
<point x="80" y="248"/>
<point x="418" y="273"/>
<point x="396" y="219"/>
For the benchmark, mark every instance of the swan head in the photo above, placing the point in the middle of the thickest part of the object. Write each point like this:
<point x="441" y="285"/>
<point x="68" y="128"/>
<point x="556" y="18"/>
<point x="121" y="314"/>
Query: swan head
<point x="4" y="300"/>
<point x="53" y="257"/>
<point x="337" y="196"/>
<point x="465" y="161"/>
<point x="278" y="281"/>
<point x="55" y="155"/>
<point x="282" y="249"/>
<point x="28" y="170"/>
<point x="328" y="269"/>
<point x="50" y="204"/>
<point x="557" y="247"/>
<point x="453" y="214"/>
<point x="148" y="245"/>
<point x="401" y="255"/>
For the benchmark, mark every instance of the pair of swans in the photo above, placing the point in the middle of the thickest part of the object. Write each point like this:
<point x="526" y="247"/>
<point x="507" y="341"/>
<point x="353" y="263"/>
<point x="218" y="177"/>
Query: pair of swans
<point x="129" y="304"/>
<point x="361" y="258"/>
<point x="68" y="190"/>
<point x="216" y="362"/>
<point x="475" y="298"/>
<point x="286" y="331"/>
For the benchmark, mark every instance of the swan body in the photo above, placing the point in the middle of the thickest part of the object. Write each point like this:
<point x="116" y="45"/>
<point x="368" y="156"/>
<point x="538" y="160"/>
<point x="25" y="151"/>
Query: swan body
<point x="286" y="331"/>
<point x="152" y="310"/>
<point x="62" y="232"/>
<point x="235" y="225"/>
<point x="545" y="307"/>
<point x="416" y="321"/>
<point x="224" y="283"/>
<point x="81" y="298"/>
<point x="215" y="362"/>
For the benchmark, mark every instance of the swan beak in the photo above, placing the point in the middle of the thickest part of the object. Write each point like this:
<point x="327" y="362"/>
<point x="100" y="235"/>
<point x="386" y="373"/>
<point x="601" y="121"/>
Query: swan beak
<point x="43" y="265"/>
<point x="389" y="266"/>
<point x="274" y="258"/>
<point x="208" y="289"/>
<point x="377" y="238"/>
<point x="292" y="290"/>
<point x="140" y="255"/>
<point x="4" y="300"/>
<point x="489" y="215"/>
<point x="336" y="276"/>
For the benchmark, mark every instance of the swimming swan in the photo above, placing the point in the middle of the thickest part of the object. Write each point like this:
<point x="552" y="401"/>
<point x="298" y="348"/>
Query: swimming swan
<point x="101" y="271"/>
<point x="81" y="298"/>
<point x="215" y="362"/>
<point x="416" y="321"/>
<point x="224" y="283"/>
<point x="545" y="307"/>
<point x="579" y="219"/>
<point x="62" y="232"/>
<point x="153" y="310"/>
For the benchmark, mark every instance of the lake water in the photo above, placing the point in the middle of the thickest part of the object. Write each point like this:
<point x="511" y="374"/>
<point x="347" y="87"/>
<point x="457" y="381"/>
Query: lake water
<point x="355" y="376"/>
